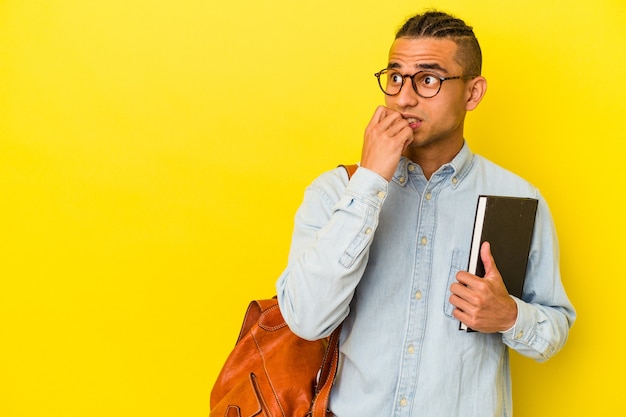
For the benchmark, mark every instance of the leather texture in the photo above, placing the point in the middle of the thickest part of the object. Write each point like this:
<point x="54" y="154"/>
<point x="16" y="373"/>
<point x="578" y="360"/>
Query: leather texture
<point x="350" y="169"/>
<point x="271" y="372"/>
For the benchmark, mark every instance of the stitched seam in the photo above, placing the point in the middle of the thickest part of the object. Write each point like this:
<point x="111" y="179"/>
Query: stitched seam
<point x="268" y="378"/>
<point x="233" y="407"/>
<point x="264" y="408"/>
<point x="271" y="328"/>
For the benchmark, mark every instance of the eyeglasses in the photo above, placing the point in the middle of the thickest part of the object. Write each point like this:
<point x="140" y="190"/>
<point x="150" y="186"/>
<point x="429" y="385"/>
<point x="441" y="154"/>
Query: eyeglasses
<point x="425" y="83"/>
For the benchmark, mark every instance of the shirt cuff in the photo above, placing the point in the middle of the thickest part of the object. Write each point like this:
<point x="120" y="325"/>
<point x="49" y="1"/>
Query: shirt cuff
<point x="368" y="185"/>
<point x="524" y="323"/>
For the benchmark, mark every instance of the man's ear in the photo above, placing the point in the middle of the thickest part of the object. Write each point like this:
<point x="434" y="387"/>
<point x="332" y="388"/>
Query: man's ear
<point x="476" y="89"/>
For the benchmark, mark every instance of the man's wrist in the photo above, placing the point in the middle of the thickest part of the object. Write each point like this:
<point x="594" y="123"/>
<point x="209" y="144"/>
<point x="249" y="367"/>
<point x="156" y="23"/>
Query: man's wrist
<point x="511" y="327"/>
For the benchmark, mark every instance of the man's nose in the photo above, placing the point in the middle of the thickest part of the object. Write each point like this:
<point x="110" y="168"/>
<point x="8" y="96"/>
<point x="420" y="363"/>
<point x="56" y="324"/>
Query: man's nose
<point x="407" y="95"/>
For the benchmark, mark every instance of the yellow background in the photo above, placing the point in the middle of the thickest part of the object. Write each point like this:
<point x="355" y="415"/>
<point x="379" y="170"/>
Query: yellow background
<point x="152" y="155"/>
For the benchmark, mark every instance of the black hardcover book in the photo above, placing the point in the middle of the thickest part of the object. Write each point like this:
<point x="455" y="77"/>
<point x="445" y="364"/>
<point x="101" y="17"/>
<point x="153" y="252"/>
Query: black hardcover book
<point x="507" y="223"/>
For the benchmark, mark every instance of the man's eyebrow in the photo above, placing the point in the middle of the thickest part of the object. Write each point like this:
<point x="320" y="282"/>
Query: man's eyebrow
<point x="431" y="67"/>
<point x="421" y="67"/>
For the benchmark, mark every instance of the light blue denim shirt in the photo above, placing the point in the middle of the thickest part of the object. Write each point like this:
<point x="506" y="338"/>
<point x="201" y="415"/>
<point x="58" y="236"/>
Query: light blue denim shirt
<point x="380" y="257"/>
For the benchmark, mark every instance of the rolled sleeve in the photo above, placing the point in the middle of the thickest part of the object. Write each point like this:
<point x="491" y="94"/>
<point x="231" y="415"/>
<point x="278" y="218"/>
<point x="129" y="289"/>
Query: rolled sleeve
<point x="534" y="333"/>
<point x="334" y="228"/>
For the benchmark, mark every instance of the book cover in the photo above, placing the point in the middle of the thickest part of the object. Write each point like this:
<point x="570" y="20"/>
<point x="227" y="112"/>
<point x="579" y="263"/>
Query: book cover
<point x="507" y="223"/>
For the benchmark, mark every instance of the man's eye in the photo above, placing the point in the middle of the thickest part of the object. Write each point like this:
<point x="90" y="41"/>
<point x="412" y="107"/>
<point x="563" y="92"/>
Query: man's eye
<point x="429" y="80"/>
<point x="395" y="78"/>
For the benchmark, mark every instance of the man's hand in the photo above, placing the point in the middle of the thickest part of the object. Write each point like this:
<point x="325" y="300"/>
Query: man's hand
<point x="387" y="135"/>
<point x="483" y="304"/>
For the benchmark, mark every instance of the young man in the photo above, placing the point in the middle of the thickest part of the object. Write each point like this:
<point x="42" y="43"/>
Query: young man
<point x="384" y="253"/>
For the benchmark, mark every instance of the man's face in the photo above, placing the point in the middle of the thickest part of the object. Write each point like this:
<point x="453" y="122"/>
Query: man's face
<point x="436" y="121"/>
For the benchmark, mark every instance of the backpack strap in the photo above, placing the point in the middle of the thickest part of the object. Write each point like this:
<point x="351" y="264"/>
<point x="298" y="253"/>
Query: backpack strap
<point x="319" y="407"/>
<point x="350" y="169"/>
<point x="253" y="314"/>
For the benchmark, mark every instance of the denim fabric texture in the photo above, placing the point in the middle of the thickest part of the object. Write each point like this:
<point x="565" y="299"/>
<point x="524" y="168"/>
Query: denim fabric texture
<point x="380" y="257"/>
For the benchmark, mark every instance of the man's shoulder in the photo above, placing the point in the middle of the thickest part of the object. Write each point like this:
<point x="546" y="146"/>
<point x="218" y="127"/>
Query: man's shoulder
<point x="501" y="175"/>
<point x="335" y="177"/>
<point x="489" y="166"/>
<point x="330" y="183"/>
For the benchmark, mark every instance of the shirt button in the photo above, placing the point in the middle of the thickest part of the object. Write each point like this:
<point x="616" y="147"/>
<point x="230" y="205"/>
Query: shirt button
<point x="404" y="402"/>
<point x="519" y="335"/>
<point x="411" y="349"/>
<point x="380" y="194"/>
<point x="454" y="180"/>
<point x="424" y="241"/>
<point x="411" y="168"/>
<point x="402" y="180"/>
<point x="368" y="231"/>
<point x="418" y="295"/>
<point x="428" y="196"/>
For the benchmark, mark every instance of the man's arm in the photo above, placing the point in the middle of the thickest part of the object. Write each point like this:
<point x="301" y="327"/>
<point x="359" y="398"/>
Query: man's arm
<point x="333" y="230"/>
<point x="542" y="320"/>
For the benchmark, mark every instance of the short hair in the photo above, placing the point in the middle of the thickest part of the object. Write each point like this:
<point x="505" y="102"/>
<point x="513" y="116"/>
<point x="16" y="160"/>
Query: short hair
<point x="436" y="24"/>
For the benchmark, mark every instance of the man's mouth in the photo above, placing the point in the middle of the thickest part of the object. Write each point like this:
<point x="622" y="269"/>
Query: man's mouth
<point x="413" y="122"/>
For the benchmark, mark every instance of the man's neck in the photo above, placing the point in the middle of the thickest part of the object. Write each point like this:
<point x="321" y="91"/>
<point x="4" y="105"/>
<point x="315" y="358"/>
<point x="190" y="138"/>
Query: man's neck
<point x="430" y="159"/>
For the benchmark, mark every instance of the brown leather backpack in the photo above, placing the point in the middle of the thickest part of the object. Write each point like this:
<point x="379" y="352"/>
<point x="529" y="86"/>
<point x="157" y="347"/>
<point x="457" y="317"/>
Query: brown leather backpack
<point x="273" y="372"/>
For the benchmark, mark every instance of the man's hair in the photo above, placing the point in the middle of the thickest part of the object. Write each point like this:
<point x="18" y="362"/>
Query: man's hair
<point x="436" y="24"/>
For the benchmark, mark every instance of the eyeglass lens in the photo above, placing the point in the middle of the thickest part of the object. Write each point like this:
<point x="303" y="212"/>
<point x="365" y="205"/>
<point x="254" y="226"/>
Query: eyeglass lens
<point x="426" y="84"/>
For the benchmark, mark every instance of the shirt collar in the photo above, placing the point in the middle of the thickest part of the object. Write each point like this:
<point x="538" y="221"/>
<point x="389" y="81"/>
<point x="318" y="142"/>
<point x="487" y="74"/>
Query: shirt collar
<point x="456" y="169"/>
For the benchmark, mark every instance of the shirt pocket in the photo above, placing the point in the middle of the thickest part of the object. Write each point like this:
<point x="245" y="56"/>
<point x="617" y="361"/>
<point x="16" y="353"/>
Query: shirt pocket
<point x="458" y="263"/>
